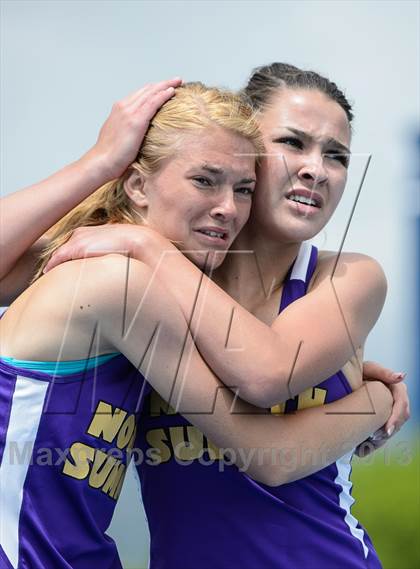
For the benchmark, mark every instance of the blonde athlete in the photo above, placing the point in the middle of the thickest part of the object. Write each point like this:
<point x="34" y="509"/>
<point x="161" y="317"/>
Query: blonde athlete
<point x="260" y="388"/>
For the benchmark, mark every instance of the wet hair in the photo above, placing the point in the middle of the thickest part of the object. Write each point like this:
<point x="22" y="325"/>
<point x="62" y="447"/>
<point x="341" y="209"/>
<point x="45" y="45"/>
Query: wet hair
<point x="267" y="80"/>
<point x="193" y="107"/>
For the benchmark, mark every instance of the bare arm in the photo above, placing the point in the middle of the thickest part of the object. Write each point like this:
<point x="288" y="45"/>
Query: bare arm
<point x="27" y="214"/>
<point x="310" y="340"/>
<point x="149" y="328"/>
<point x="19" y="277"/>
<point x="96" y="241"/>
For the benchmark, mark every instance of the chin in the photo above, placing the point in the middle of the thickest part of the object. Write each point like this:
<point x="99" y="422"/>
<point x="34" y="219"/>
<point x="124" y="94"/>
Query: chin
<point x="296" y="230"/>
<point x="206" y="260"/>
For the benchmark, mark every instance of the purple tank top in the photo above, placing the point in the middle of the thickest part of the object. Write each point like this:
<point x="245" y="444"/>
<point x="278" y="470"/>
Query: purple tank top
<point x="203" y="513"/>
<point x="64" y="447"/>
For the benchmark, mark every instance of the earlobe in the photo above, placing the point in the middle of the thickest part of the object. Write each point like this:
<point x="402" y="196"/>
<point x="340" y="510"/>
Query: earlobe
<point x="134" y="187"/>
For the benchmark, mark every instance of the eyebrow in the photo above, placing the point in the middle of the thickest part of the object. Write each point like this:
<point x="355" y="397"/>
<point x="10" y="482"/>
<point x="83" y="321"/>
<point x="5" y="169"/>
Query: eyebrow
<point x="212" y="169"/>
<point x="220" y="172"/>
<point x="330" y="140"/>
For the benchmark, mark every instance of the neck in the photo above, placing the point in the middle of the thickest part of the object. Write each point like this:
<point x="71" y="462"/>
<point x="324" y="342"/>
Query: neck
<point x="255" y="267"/>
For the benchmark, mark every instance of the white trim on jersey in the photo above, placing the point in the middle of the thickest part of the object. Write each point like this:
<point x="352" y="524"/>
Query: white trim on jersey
<point x="346" y="500"/>
<point x="25" y="415"/>
<point x="300" y="268"/>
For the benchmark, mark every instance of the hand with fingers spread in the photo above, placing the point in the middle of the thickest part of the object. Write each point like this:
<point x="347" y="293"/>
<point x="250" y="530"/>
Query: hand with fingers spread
<point x="99" y="240"/>
<point x="28" y="214"/>
<point x="121" y="135"/>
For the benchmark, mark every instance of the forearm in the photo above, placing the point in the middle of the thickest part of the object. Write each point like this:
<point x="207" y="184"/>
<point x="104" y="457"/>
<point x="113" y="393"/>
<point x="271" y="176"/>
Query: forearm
<point x="273" y="449"/>
<point x="310" y="340"/>
<point x="27" y="214"/>
<point x="307" y="343"/>
<point x="218" y="322"/>
<point x="174" y="367"/>
<point x="277" y="450"/>
<point x="30" y="212"/>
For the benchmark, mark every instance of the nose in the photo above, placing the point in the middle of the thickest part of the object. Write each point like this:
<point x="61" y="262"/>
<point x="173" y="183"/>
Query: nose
<point x="225" y="209"/>
<point x="314" y="170"/>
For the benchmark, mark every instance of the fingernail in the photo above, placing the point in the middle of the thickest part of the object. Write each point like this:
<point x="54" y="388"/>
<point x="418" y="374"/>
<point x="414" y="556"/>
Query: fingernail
<point x="399" y="375"/>
<point x="390" y="431"/>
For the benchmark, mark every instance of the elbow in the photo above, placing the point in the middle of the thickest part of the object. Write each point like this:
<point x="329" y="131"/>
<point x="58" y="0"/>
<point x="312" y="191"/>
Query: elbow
<point x="273" y="466"/>
<point x="265" y="391"/>
<point x="270" y="475"/>
<point x="278" y="465"/>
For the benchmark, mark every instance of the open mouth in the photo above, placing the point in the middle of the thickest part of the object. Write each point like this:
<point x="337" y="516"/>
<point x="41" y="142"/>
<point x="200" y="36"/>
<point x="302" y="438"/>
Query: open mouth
<point x="214" y="234"/>
<point x="312" y="201"/>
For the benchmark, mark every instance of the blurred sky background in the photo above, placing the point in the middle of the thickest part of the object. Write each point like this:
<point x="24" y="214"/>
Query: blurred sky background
<point x="65" y="63"/>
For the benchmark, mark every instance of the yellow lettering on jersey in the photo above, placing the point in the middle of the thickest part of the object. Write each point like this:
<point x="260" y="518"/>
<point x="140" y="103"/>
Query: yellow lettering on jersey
<point x="158" y="406"/>
<point x="126" y="431"/>
<point x="312" y="397"/>
<point x="187" y="443"/>
<point x="101" y="467"/>
<point x="112" y="485"/>
<point x="106" y="421"/>
<point x="187" y="448"/>
<point x="278" y="409"/>
<point x="196" y="439"/>
<point x="157" y="440"/>
<point x="117" y="492"/>
<point x="82" y="455"/>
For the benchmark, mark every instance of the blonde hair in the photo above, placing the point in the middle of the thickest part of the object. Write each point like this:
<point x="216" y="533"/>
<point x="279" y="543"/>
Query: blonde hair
<point x="194" y="106"/>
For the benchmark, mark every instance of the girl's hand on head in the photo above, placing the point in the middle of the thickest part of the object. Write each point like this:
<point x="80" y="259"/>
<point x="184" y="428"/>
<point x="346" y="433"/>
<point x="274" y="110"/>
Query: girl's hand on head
<point x="96" y="241"/>
<point x="399" y="415"/>
<point x="122" y="133"/>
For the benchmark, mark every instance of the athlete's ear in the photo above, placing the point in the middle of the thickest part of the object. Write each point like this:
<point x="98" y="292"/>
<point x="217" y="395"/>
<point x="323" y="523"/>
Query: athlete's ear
<point x="134" y="186"/>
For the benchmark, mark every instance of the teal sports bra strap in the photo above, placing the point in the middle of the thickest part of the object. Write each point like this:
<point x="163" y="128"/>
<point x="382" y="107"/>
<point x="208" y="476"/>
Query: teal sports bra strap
<point x="61" y="368"/>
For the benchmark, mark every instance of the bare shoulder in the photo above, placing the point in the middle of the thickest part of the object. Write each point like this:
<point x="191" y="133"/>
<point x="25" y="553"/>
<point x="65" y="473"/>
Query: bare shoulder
<point x="355" y="281"/>
<point x="128" y="305"/>
<point x="354" y="268"/>
<point x="102" y="283"/>
<point x="71" y="301"/>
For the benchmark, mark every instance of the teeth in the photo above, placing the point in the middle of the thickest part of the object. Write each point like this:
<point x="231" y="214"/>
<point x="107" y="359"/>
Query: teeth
<point x="302" y="199"/>
<point x="212" y="233"/>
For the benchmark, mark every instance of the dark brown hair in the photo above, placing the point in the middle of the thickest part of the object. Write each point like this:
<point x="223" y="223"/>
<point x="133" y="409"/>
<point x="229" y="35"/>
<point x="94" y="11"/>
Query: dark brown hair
<point x="266" y="80"/>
